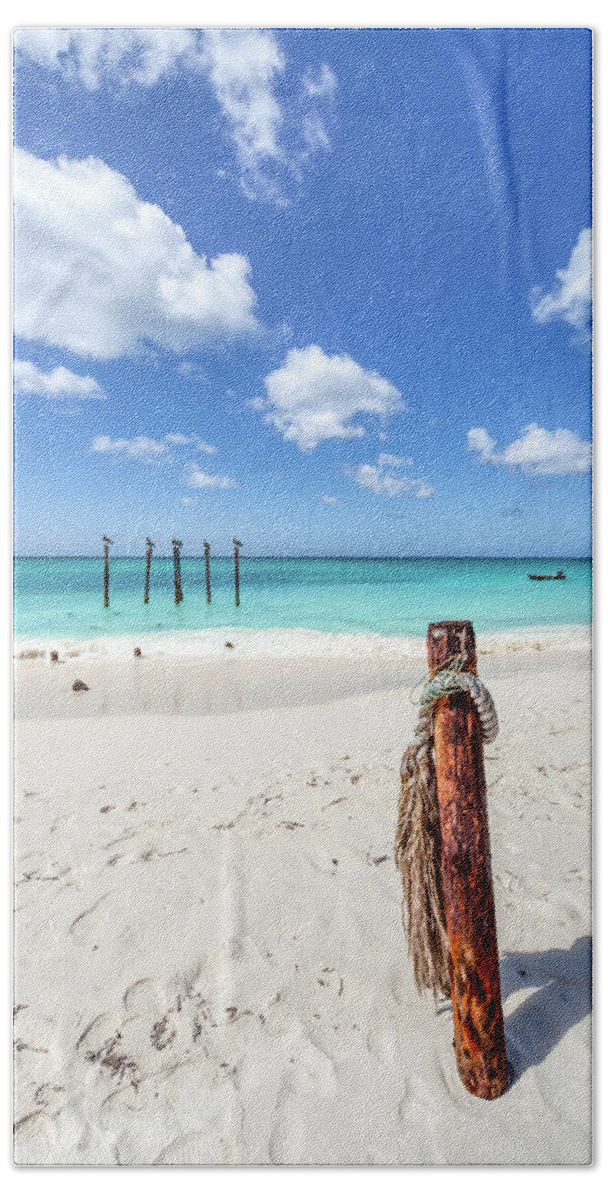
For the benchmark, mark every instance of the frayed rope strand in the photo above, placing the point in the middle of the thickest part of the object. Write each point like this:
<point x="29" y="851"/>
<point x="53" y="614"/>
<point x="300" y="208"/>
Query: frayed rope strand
<point x="418" y="834"/>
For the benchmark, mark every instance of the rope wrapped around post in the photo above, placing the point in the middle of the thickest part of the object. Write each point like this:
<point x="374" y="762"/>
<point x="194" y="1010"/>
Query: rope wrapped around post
<point x="418" y="835"/>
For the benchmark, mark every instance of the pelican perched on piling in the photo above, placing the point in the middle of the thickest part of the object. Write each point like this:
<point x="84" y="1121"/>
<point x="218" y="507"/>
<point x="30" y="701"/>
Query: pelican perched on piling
<point x="149" y="549"/>
<point x="237" y="545"/>
<point x="206" y="548"/>
<point x="177" y="545"/>
<point x="107" y="542"/>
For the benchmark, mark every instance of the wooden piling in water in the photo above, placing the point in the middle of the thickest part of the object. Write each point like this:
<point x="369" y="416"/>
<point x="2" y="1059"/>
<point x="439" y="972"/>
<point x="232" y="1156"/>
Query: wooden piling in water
<point x="177" y="571"/>
<point x="468" y="895"/>
<point x="107" y="542"/>
<point x="237" y="588"/>
<point x="149" y="549"/>
<point x="207" y="572"/>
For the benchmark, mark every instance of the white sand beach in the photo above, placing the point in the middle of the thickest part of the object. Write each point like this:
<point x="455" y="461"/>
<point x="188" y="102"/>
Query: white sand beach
<point x="210" y="962"/>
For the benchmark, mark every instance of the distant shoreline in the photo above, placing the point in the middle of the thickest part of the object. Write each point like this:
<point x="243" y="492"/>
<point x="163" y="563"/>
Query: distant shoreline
<point x="291" y="643"/>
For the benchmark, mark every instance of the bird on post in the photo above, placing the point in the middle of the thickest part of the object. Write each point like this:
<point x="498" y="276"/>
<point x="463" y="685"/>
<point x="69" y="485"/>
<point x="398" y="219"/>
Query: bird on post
<point x="207" y="548"/>
<point x="179" y="595"/>
<point x="149" y="549"/>
<point x="107" y="542"/>
<point x="237" y="594"/>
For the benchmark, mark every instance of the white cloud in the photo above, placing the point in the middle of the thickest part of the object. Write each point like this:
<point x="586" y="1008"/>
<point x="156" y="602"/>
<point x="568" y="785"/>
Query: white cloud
<point x="200" y="479"/>
<point x="57" y="382"/>
<point x="536" y="451"/>
<point x="479" y="439"/>
<point x="393" y="460"/>
<point x="180" y="439"/>
<point x="570" y="298"/>
<point x="315" y="133"/>
<point x="314" y="396"/>
<point x="118" y="56"/>
<point x="149" y="449"/>
<point x="138" y="447"/>
<point x="191" y="370"/>
<point x="243" y="67"/>
<point x="424" y="490"/>
<point x="323" y="84"/>
<point x="100" y="272"/>
<point x="329" y="499"/>
<point x="381" y="479"/>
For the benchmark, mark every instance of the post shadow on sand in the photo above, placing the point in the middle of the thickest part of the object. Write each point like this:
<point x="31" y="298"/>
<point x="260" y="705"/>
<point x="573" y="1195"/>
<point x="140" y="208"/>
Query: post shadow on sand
<point x="562" y="979"/>
<point x="562" y="997"/>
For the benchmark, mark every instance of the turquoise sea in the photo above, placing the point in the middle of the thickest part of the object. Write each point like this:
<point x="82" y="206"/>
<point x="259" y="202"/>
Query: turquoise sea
<point x="63" y="597"/>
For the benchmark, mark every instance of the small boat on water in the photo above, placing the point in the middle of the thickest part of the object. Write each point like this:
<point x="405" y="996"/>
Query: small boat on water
<point x="560" y="575"/>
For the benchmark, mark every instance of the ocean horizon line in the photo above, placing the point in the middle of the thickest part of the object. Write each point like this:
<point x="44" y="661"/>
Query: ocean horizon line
<point x="321" y="557"/>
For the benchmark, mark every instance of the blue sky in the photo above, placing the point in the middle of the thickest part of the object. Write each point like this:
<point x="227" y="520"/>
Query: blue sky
<point x="328" y="290"/>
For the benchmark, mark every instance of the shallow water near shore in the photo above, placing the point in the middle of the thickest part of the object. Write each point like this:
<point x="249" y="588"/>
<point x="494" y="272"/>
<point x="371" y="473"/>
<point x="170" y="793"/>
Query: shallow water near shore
<point x="63" y="597"/>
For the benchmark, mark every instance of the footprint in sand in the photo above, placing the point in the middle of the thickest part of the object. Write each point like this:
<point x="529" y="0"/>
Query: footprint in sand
<point x="39" y="867"/>
<point x="141" y="1044"/>
<point x="123" y="1044"/>
<point x="90" y="926"/>
<point x="145" y="998"/>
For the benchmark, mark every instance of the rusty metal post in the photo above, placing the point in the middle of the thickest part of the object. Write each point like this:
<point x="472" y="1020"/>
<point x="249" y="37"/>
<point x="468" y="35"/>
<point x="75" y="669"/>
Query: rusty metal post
<point x="479" y="1040"/>
<point x="107" y="542"/>
<point x="177" y="571"/>
<point x="207" y="572"/>
<point x="149" y="549"/>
